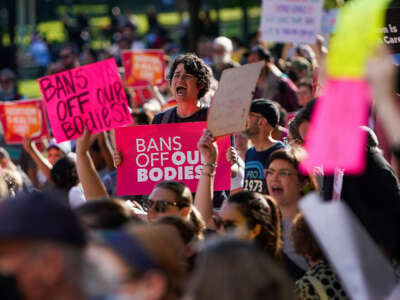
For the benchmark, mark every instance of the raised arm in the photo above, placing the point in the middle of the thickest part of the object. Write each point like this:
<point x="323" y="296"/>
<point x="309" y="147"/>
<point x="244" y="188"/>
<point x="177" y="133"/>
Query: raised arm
<point x="106" y="151"/>
<point x="93" y="187"/>
<point x="381" y="75"/>
<point x="43" y="164"/>
<point x="205" y="186"/>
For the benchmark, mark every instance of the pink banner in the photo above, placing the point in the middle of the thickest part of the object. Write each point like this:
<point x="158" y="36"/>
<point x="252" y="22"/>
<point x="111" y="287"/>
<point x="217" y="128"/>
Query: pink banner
<point x="91" y="96"/>
<point x="334" y="138"/>
<point x="153" y="153"/>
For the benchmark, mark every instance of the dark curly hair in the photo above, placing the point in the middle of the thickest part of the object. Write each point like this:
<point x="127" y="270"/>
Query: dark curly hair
<point x="262" y="210"/>
<point x="64" y="174"/>
<point x="195" y="66"/>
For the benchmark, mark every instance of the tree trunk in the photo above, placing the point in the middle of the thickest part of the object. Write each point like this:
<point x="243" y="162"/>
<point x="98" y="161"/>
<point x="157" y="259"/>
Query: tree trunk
<point x="245" y="21"/>
<point x="194" y="9"/>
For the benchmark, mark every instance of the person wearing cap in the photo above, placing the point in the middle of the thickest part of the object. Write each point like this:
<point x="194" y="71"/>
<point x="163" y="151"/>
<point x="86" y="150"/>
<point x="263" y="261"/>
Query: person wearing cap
<point x="272" y="83"/>
<point x="262" y="120"/>
<point x="41" y="249"/>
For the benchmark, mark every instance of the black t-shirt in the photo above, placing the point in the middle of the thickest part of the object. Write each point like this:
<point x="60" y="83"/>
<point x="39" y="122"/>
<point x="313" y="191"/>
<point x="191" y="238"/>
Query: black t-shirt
<point x="198" y="116"/>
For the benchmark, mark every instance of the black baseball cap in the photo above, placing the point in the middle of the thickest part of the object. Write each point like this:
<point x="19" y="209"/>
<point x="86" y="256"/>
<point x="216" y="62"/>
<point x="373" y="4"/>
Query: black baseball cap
<point x="268" y="109"/>
<point x="40" y="216"/>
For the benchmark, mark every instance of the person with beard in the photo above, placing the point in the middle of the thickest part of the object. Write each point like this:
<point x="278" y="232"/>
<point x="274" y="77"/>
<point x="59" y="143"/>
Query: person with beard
<point x="262" y="120"/>
<point x="222" y="56"/>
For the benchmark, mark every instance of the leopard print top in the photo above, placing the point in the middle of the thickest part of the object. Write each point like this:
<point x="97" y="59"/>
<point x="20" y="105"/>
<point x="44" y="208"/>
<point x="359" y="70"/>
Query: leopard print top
<point x="320" y="274"/>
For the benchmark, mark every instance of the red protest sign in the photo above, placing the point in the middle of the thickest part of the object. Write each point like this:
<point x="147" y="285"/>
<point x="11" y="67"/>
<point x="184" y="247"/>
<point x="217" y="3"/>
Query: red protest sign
<point x="90" y="96"/>
<point x="23" y="119"/>
<point x="153" y="153"/>
<point x="143" y="67"/>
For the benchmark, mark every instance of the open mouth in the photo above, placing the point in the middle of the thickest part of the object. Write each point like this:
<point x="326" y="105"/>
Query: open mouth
<point x="276" y="190"/>
<point x="180" y="90"/>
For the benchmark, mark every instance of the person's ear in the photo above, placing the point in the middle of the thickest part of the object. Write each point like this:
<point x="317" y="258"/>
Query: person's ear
<point x="262" y="122"/>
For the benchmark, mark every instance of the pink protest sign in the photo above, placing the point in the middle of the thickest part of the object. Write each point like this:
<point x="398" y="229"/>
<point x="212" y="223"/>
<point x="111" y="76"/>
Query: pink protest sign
<point x="153" y="153"/>
<point x="334" y="138"/>
<point x="91" y="96"/>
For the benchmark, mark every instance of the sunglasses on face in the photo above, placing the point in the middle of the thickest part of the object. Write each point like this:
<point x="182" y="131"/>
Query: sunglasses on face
<point x="160" y="206"/>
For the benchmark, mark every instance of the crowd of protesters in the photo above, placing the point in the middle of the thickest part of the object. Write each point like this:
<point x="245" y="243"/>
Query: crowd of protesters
<point x="64" y="233"/>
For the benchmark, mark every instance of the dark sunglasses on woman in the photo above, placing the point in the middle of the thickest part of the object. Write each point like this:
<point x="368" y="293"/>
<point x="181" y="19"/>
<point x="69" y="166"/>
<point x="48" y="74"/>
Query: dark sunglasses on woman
<point x="159" y="206"/>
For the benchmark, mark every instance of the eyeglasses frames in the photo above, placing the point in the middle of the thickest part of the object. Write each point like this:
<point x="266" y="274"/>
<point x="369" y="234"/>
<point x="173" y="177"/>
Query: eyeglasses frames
<point x="160" y="206"/>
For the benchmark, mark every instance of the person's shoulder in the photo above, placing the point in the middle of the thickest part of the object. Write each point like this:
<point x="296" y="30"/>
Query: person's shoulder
<point x="250" y="151"/>
<point x="278" y="145"/>
<point x="158" y="118"/>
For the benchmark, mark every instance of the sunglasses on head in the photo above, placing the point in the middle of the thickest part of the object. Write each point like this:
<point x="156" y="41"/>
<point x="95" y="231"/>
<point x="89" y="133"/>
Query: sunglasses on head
<point x="160" y="206"/>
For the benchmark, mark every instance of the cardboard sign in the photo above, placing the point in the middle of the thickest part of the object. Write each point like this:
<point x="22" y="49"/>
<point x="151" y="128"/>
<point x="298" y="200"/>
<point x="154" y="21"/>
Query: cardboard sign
<point x="297" y="21"/>
<point x="231" y="103"/>
<point x="153" y="153"/>
<point x="23" y="119"/>
<point x="91" y="96"/>
<point x="391" y="31"/>
<point x="357" y="34"/>
<point x="334" y="138"/>
<point x="364" y="272"/>
<point x="144" y="66"/>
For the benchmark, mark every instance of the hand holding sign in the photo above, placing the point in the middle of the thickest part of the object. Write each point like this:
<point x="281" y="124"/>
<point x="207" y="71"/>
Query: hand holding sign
<point x="91" y="96"/>
<point x="84" y="142"/>
<point x="207" y="147"/>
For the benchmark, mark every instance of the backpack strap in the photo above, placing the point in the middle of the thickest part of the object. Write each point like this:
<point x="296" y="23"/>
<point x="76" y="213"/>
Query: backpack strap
<point x="167" y="115"/>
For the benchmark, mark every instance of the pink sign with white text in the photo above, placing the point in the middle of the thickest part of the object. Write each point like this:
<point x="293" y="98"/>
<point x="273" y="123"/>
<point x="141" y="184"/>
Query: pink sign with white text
<point x="153" y="153"/>
<point x="334" y="138"/>
<point x="90" y="96"/>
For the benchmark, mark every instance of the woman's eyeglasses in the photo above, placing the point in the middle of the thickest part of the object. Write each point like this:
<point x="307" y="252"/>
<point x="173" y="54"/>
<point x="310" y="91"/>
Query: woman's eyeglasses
<point x="160" y="206"/>
<point x="281" y="173"/>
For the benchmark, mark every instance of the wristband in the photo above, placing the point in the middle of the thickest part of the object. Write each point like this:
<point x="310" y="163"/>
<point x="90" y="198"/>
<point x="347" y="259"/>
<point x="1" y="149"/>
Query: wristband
<point x="212" y="165"/>
<point x="208" y="174"/>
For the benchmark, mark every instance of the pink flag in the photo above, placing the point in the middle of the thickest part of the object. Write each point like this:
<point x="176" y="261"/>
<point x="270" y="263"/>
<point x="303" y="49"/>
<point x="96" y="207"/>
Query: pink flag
<point x="153" y="153"/>
<point x="91" y="96"/>
<point x="334" y="138"/>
